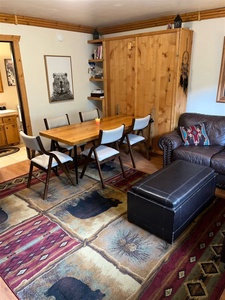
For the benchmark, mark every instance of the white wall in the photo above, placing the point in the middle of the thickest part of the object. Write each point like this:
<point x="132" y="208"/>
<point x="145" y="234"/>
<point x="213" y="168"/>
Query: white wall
<point x="36" y="42"/>
<point x="205" y="64"/>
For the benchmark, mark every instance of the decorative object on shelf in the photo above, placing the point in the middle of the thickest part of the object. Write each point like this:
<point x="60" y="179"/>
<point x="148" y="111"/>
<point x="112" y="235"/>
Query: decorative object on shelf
<point x="169" y="26"/>
<point x="177" y="22"/>
<point x="184" y="71"/>
<point x="99" y="75"/>
<point x="10" y="73"/>
<point x="59" y="78"/>
<point x="221" y="84"/>
<point x="97" y="93"/>
<point x="96" y="34"/>
<point x="91" y="69"/>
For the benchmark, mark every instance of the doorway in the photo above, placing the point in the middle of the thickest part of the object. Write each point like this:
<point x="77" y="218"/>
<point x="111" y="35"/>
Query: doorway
<point x="21" y="88"/>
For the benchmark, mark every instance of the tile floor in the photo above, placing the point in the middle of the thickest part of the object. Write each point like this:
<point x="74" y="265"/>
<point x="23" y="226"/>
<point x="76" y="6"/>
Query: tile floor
<point x="14" y="158"/>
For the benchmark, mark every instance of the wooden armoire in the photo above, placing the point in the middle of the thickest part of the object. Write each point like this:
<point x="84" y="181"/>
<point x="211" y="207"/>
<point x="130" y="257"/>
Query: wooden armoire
<point x="148" y="73"/>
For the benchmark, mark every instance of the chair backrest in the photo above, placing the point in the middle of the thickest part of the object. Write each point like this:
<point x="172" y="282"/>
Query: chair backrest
<point x="112" y="135"/>
<point x="55" y="122"/>
<point x="141" y="123"/>
<point x="32" y="143"/>
<point x="89" y="115"/>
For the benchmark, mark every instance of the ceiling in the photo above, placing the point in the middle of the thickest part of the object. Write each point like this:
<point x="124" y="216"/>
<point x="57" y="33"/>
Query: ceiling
<point x="104" y="13"/>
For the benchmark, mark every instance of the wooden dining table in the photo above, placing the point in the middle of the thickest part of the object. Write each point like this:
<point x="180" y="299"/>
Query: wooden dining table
<point x="81" y="133"/>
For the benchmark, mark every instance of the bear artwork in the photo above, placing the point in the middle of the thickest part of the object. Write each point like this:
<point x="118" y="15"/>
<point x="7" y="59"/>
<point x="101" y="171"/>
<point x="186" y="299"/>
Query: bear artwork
<point x="61" y="88"/>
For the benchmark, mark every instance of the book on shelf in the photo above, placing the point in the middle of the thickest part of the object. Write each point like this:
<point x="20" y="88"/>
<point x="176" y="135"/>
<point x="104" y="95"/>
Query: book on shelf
<point x="98" y="53"/>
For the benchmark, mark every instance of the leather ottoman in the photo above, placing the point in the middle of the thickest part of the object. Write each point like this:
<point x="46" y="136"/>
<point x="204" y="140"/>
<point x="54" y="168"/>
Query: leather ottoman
<point x="165" y="202"/>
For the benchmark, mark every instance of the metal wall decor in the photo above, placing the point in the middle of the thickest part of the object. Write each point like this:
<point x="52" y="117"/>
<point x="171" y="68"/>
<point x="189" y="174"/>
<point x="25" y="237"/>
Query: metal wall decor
<point x="184" y="71"/>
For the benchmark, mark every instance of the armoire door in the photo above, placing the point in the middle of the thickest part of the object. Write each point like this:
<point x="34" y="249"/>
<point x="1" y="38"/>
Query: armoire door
<point x="120" y="67"/>
<point x="156" y="69"/>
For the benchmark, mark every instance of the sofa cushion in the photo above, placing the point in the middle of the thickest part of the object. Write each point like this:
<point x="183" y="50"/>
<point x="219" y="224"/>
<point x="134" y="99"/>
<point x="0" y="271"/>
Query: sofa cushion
<point x="194" y="135"/>
<point x="200" y="155"/>
<point x="218" y="162"/>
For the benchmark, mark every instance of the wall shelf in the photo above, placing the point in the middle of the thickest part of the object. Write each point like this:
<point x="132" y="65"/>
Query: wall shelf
<point x="95" y="98"/>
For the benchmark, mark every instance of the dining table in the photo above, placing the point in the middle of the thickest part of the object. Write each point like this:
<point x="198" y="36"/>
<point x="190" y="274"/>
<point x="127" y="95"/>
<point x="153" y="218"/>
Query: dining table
<point x="84" y="132"/>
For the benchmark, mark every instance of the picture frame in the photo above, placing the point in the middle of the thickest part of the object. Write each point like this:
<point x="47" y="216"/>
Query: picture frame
<point x="10" y="71"/>
<point x="59" y="78"/>
<point x="221" y="85"/>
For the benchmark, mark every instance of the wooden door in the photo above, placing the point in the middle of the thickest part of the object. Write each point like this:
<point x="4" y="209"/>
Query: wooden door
<point x="156" y="74"/>
<point x="120" y="67"/>
<point x="2" y="135"/>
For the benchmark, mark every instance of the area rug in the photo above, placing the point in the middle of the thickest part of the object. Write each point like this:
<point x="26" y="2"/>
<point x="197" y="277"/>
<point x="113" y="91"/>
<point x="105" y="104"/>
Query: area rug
<point x="78" y="244"/>
<point x="8" y="150"/>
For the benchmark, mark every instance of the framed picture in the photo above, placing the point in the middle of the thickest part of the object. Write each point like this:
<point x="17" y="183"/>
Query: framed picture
<point x="221" y="85"/>
<point x="10" y="72"/>
<point x="59" y="78"/>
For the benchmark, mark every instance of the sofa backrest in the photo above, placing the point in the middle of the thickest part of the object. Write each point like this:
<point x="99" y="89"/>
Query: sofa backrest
<point x="215" y="125"/>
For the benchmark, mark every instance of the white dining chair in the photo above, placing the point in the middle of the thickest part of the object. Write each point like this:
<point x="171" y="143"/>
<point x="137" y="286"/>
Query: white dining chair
<point x="89" y="115"/>
<point x="135" y="135"/>
<point x="106" y="149"/>
<point x="44" y="160"/>
<point x="59" y="121"/>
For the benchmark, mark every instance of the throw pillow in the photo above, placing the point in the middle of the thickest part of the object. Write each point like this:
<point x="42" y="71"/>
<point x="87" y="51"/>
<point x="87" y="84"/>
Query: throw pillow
<point x="195" y="135"/>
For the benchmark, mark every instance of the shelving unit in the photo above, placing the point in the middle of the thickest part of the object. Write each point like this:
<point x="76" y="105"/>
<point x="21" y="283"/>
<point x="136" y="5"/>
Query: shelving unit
<point x="98" y="83"/>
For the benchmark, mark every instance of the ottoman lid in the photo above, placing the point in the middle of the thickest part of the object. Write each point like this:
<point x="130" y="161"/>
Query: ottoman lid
<point x="171" y="185"/>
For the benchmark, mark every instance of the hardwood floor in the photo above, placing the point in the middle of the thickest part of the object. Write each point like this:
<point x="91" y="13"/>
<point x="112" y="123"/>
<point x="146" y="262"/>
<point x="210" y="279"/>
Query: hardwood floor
<point x="142" y="164"/>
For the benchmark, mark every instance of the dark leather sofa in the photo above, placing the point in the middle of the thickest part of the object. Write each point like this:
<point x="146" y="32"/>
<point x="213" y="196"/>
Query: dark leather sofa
<point x="212" y="155"/>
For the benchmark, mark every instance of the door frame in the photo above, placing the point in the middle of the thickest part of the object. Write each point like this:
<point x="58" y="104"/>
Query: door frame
<point x="21" y="88"/>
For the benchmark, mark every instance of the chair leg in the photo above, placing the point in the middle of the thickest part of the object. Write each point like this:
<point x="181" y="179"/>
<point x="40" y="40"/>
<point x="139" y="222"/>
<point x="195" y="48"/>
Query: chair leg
<point x="47" y="183"/>
<point x="87" y="160"/>
<point x="75" y="162"/>
<point x="30" y="175"/>
<point x="100" y="173"/>
<point x="62" y="166"/>
<point x="121" y="165"/>
<point x="131" y="153"/>
<point x="147" y="151"/>
<point x="132" y="157"/>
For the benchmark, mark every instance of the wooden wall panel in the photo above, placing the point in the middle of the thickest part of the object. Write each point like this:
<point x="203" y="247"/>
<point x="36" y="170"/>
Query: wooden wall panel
<point x="120" y="56"/>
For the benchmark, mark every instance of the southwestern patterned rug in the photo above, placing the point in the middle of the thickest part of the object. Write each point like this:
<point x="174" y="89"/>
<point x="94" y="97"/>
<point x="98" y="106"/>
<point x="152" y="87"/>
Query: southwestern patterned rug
<point x="78" y="244"/>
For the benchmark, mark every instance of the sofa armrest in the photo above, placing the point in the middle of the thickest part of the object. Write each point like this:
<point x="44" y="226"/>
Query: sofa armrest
<point x="168" y="142"/>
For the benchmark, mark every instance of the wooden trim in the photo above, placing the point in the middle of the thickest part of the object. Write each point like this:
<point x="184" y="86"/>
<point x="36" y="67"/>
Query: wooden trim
<point x="221" y="85"/>
<point x="188" y="17"/>
<point x="1" y="85"/>
<point x="20" y="79"/>
<point x="30" y="21"/>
